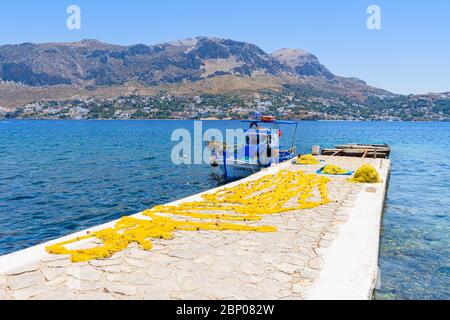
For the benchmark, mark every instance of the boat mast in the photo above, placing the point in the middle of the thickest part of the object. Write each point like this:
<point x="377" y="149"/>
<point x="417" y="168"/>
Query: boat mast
<point x="295" y="134"/>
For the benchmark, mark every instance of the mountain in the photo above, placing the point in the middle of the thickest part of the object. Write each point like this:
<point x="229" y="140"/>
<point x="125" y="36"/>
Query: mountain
<point x="93" y="62"/>
<point x="47" y="80"/>
<point x="90" y="62"/>
<point x="302" y="63"/>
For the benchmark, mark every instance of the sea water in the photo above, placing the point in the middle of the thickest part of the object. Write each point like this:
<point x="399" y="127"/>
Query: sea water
<point x="58" y="177"/>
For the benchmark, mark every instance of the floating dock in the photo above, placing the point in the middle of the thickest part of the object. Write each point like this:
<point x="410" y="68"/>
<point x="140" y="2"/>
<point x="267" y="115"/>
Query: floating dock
<point x="327" y="252"/>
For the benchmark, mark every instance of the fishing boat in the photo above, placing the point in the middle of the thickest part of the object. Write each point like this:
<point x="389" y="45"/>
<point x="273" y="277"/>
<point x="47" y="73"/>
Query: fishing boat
<point x="263" y="147"/>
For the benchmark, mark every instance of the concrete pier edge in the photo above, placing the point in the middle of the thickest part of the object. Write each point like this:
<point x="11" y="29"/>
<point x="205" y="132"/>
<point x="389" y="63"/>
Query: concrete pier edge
<point x="350" y="265"/>
<point x="350" y="270"/>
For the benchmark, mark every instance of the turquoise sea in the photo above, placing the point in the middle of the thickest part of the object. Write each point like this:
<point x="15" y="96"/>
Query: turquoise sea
<point x="57" y="177"/>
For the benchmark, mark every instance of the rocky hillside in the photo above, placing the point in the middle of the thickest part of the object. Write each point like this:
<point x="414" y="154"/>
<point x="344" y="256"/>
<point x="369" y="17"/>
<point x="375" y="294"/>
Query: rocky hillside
<point x="91" y="79"/>
<point x="90" y="62"/>
<point x="302" y="63"/>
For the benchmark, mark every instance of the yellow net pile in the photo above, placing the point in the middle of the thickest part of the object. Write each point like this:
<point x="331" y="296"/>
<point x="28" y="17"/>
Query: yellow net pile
<point x="366" y="174"/>
<point x="332" y="169"/>
<point x="246" y="202"/>
<point x="307" y="159"/>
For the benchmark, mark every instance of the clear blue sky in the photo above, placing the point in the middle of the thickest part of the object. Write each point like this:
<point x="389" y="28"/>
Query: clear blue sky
<point x="410" y="54"/>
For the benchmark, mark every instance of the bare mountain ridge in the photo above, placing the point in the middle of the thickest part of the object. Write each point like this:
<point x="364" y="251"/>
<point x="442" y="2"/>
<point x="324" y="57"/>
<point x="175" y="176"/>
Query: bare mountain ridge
<point x="194" y="66"/>
<point x="96" y="63"/>
<point x="186" y="78"/>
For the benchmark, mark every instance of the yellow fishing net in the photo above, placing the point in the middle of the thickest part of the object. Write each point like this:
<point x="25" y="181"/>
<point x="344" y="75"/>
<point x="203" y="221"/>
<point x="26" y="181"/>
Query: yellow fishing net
<point x="366" y="174"/>
<point x="246" y="203"/>
<point x="332" y="169"/>
<point x="307" y="159"/>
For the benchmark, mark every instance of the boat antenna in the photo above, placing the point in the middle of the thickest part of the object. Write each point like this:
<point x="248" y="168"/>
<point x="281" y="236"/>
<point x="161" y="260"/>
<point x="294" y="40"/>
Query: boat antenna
<point x="295" y="134"/>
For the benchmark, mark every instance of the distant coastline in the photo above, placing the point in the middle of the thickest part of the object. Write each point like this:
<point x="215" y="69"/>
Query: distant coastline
<point x="187" y="119"/>
<point x="284" y="106"/>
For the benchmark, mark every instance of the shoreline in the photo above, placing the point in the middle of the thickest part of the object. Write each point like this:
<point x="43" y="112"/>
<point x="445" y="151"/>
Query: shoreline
<point x="79" y="120"/>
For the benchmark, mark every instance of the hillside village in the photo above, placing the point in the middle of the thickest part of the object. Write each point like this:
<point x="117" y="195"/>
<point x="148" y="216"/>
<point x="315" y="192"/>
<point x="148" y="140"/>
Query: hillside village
<point x="286" y="105"/>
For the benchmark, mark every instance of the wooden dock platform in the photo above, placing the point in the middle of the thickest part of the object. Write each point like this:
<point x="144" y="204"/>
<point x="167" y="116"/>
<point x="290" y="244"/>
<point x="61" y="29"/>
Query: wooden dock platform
<point x="381" y="151"/>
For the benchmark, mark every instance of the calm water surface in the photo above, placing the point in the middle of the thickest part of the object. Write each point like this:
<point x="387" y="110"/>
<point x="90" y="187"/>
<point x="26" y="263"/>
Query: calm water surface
<point x="58" y="177"/>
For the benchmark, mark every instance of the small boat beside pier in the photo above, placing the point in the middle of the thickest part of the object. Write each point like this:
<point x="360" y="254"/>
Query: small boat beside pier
<point x="262" y="148"/>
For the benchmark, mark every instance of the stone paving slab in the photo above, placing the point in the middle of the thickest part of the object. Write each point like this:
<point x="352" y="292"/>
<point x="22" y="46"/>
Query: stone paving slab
<point x="203" y="264"/>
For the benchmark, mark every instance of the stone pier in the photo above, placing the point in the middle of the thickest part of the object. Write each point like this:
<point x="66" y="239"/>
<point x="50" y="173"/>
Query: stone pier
<point x="329" y="252"/>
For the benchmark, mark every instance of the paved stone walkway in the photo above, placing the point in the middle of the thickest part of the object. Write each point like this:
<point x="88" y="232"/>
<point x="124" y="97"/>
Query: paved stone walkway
<point x="203" y="264"/>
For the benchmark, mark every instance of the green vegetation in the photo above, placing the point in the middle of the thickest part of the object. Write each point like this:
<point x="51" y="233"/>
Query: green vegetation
<point x="304" y="102"/>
